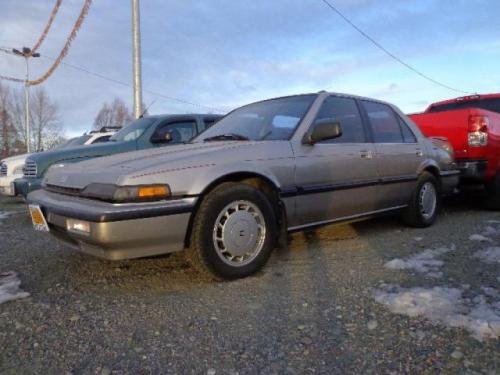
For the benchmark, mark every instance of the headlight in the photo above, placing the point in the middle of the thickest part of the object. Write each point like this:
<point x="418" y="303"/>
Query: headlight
<point x="134" y="193"/>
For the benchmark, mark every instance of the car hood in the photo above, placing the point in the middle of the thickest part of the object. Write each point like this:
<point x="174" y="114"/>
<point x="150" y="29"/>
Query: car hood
<point x="47" y="158"/>
<point x="15" y="159"/>
<point x="122" y="168"/>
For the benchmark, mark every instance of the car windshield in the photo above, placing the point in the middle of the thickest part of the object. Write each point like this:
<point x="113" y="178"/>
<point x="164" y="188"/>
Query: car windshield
<point x="492" y="105"/>
<point x="274" y="119"/>
<point x="132" y="131"/>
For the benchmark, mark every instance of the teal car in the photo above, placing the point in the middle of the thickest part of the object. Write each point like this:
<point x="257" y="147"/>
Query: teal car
<point x="143" y="133"/>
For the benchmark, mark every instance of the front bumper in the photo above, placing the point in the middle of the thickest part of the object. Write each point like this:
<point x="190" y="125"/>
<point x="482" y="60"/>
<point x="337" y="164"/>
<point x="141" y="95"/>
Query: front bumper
<point x="24" y="186"/>
<point x="117" y="231"/>
<point x="7" y="186"/>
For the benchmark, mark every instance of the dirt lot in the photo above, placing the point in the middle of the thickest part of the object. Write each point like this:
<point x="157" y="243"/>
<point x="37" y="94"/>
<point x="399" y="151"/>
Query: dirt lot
<point x="335" y="301"/>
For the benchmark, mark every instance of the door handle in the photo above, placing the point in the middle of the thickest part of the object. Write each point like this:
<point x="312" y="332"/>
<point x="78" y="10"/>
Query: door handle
<point x="419" y="152"/>
<point x="366" y="154"/>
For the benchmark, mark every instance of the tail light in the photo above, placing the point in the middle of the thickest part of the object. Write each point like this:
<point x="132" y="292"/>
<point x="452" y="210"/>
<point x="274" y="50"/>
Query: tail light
<point x="478" y="131"/>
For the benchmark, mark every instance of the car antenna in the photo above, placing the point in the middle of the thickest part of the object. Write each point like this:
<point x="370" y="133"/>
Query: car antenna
<point x="146" y="109"/>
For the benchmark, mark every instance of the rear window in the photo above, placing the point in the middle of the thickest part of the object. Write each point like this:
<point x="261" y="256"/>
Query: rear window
<point x="492" y="105"/>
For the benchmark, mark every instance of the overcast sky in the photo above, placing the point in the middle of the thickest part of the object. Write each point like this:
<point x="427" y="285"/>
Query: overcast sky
<point x="223" y="53"/>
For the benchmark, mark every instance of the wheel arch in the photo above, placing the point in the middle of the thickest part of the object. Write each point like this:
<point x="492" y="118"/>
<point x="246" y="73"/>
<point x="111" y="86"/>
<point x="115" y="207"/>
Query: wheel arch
<point x="260" y="181"/>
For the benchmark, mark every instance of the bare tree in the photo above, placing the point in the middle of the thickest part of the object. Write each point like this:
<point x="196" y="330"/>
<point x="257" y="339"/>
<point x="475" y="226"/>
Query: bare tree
<point x="46" y="127"/>
<point x="115" y="114"/>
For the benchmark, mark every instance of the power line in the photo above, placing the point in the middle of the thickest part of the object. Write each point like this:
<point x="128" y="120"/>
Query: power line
<point x="102" y="76"/>
<point x="390" y="54"/>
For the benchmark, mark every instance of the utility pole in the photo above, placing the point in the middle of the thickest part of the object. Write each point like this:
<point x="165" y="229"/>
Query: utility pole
<point x="136" y="58"/>
<point x="26" y="53"/>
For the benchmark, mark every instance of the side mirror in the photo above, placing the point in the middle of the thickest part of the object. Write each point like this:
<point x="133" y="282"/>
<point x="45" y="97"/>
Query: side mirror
<point x="157" y="138"/>
<point x="323" y="130"/>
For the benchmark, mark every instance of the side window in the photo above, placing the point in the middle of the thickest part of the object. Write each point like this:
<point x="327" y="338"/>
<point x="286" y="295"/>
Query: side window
<point x="101" y="139"/>
<point x="180" y="131"/>
<point x="408" y="135"/>
<point x="345" y="111"/>
<point x="384" y="123"/>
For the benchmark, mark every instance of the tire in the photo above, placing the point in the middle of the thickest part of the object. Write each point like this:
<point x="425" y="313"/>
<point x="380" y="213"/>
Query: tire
<point x="234" y="232"/>
<point x="492" y="199"/>
<point x="424" y="203"/>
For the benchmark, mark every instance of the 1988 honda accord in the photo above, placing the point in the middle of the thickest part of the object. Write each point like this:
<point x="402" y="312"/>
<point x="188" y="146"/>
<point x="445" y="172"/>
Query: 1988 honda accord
<point x="279" y="165"/>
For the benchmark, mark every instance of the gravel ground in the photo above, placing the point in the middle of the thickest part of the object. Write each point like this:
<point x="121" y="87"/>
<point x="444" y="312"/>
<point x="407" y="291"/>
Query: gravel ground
<point x="311" y="310"/>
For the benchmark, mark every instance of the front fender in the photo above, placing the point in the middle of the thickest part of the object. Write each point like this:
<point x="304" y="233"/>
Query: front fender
<point x="211" y="176"/>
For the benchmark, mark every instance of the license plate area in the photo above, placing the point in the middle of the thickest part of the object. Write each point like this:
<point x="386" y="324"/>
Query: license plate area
<point x="37" y="218"/>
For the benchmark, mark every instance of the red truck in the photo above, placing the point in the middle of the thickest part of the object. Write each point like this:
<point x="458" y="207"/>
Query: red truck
<point x="472" y="126"/>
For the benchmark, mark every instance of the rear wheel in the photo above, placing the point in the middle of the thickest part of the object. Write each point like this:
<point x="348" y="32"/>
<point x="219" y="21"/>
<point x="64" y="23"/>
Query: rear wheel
<point x="424" y="203"/>
<point x="492" y="199"/>
<point x="234" y="232"/>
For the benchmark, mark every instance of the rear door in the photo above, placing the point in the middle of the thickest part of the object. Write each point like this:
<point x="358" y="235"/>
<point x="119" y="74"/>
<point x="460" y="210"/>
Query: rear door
<point x="398" y="153"/>
<point x="336" y="178"/>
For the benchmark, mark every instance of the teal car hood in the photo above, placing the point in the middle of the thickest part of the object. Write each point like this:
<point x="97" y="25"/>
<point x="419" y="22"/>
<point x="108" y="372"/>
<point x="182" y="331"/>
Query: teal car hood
<point x="45" y="159"/>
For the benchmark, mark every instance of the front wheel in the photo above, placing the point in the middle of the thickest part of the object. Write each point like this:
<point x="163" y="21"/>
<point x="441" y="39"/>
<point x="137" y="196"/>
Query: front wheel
<point x="234" y="231"/>
<point x="424" y="203"/>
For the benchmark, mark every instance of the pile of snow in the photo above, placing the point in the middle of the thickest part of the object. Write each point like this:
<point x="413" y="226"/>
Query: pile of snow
<point x="446" y="306"/>
<point x="489" y="255"/>
<point x="423" y="262"/>
<point x="10" y="287"/>
<point x="479" y="237"/>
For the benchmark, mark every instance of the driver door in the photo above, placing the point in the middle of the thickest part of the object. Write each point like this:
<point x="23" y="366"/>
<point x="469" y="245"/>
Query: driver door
<point x="336" y="178"/>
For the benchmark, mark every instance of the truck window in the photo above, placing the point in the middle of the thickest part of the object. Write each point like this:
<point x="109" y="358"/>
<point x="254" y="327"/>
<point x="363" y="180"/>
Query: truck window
<point x="492" y="105"/>
<point x="384" y="123"/>
<point x="181" y="131"/>
<point x="345" y="111"/>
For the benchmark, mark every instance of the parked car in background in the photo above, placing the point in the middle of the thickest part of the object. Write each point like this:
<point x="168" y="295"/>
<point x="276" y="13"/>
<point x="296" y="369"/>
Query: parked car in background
<point x="12" y="168"/>
<point x="284" y="164"/>
<point x="147" y="132"/>
<point x="472" y="126"/>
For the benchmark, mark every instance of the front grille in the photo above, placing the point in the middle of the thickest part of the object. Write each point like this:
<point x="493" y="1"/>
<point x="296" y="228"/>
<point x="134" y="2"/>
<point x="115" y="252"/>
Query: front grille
<point x="30" y="169"/>
<point x="62" y="189"/>
<point x="3" y="169"/>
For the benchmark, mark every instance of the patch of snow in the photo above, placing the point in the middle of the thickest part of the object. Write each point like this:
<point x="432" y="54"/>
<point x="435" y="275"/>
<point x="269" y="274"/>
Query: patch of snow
<point x="479" y="237"/>
<point x="10" y="287"/>
<point x="445" y="306"/>
<point x="489" y="255"/>
<point x="490" y="231"/>
<point x="4" y="215"/>
<point x="418" y="239"/>
<point x="423" y="262"/>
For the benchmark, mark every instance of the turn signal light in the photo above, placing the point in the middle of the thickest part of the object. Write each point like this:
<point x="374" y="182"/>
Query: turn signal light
<point x="154" y="191"/>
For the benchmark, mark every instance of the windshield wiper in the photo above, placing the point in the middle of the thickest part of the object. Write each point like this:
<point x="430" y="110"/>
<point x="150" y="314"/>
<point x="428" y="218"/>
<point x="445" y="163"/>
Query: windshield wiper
<point x="228" y="136"/>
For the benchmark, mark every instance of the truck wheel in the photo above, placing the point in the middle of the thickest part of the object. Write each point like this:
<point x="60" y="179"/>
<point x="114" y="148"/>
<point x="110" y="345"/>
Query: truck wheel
<point x="424" y="202"/>
<point x="234" y="232"/>
<point x="492" y="200"/>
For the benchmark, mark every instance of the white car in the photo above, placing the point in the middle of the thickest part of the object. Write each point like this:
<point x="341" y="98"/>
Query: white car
<point x="11" y="168"/>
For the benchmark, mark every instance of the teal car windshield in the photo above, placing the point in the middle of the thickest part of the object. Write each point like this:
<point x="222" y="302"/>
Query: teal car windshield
<point x="274" y="119"/>
<point x="132" y="131"/>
